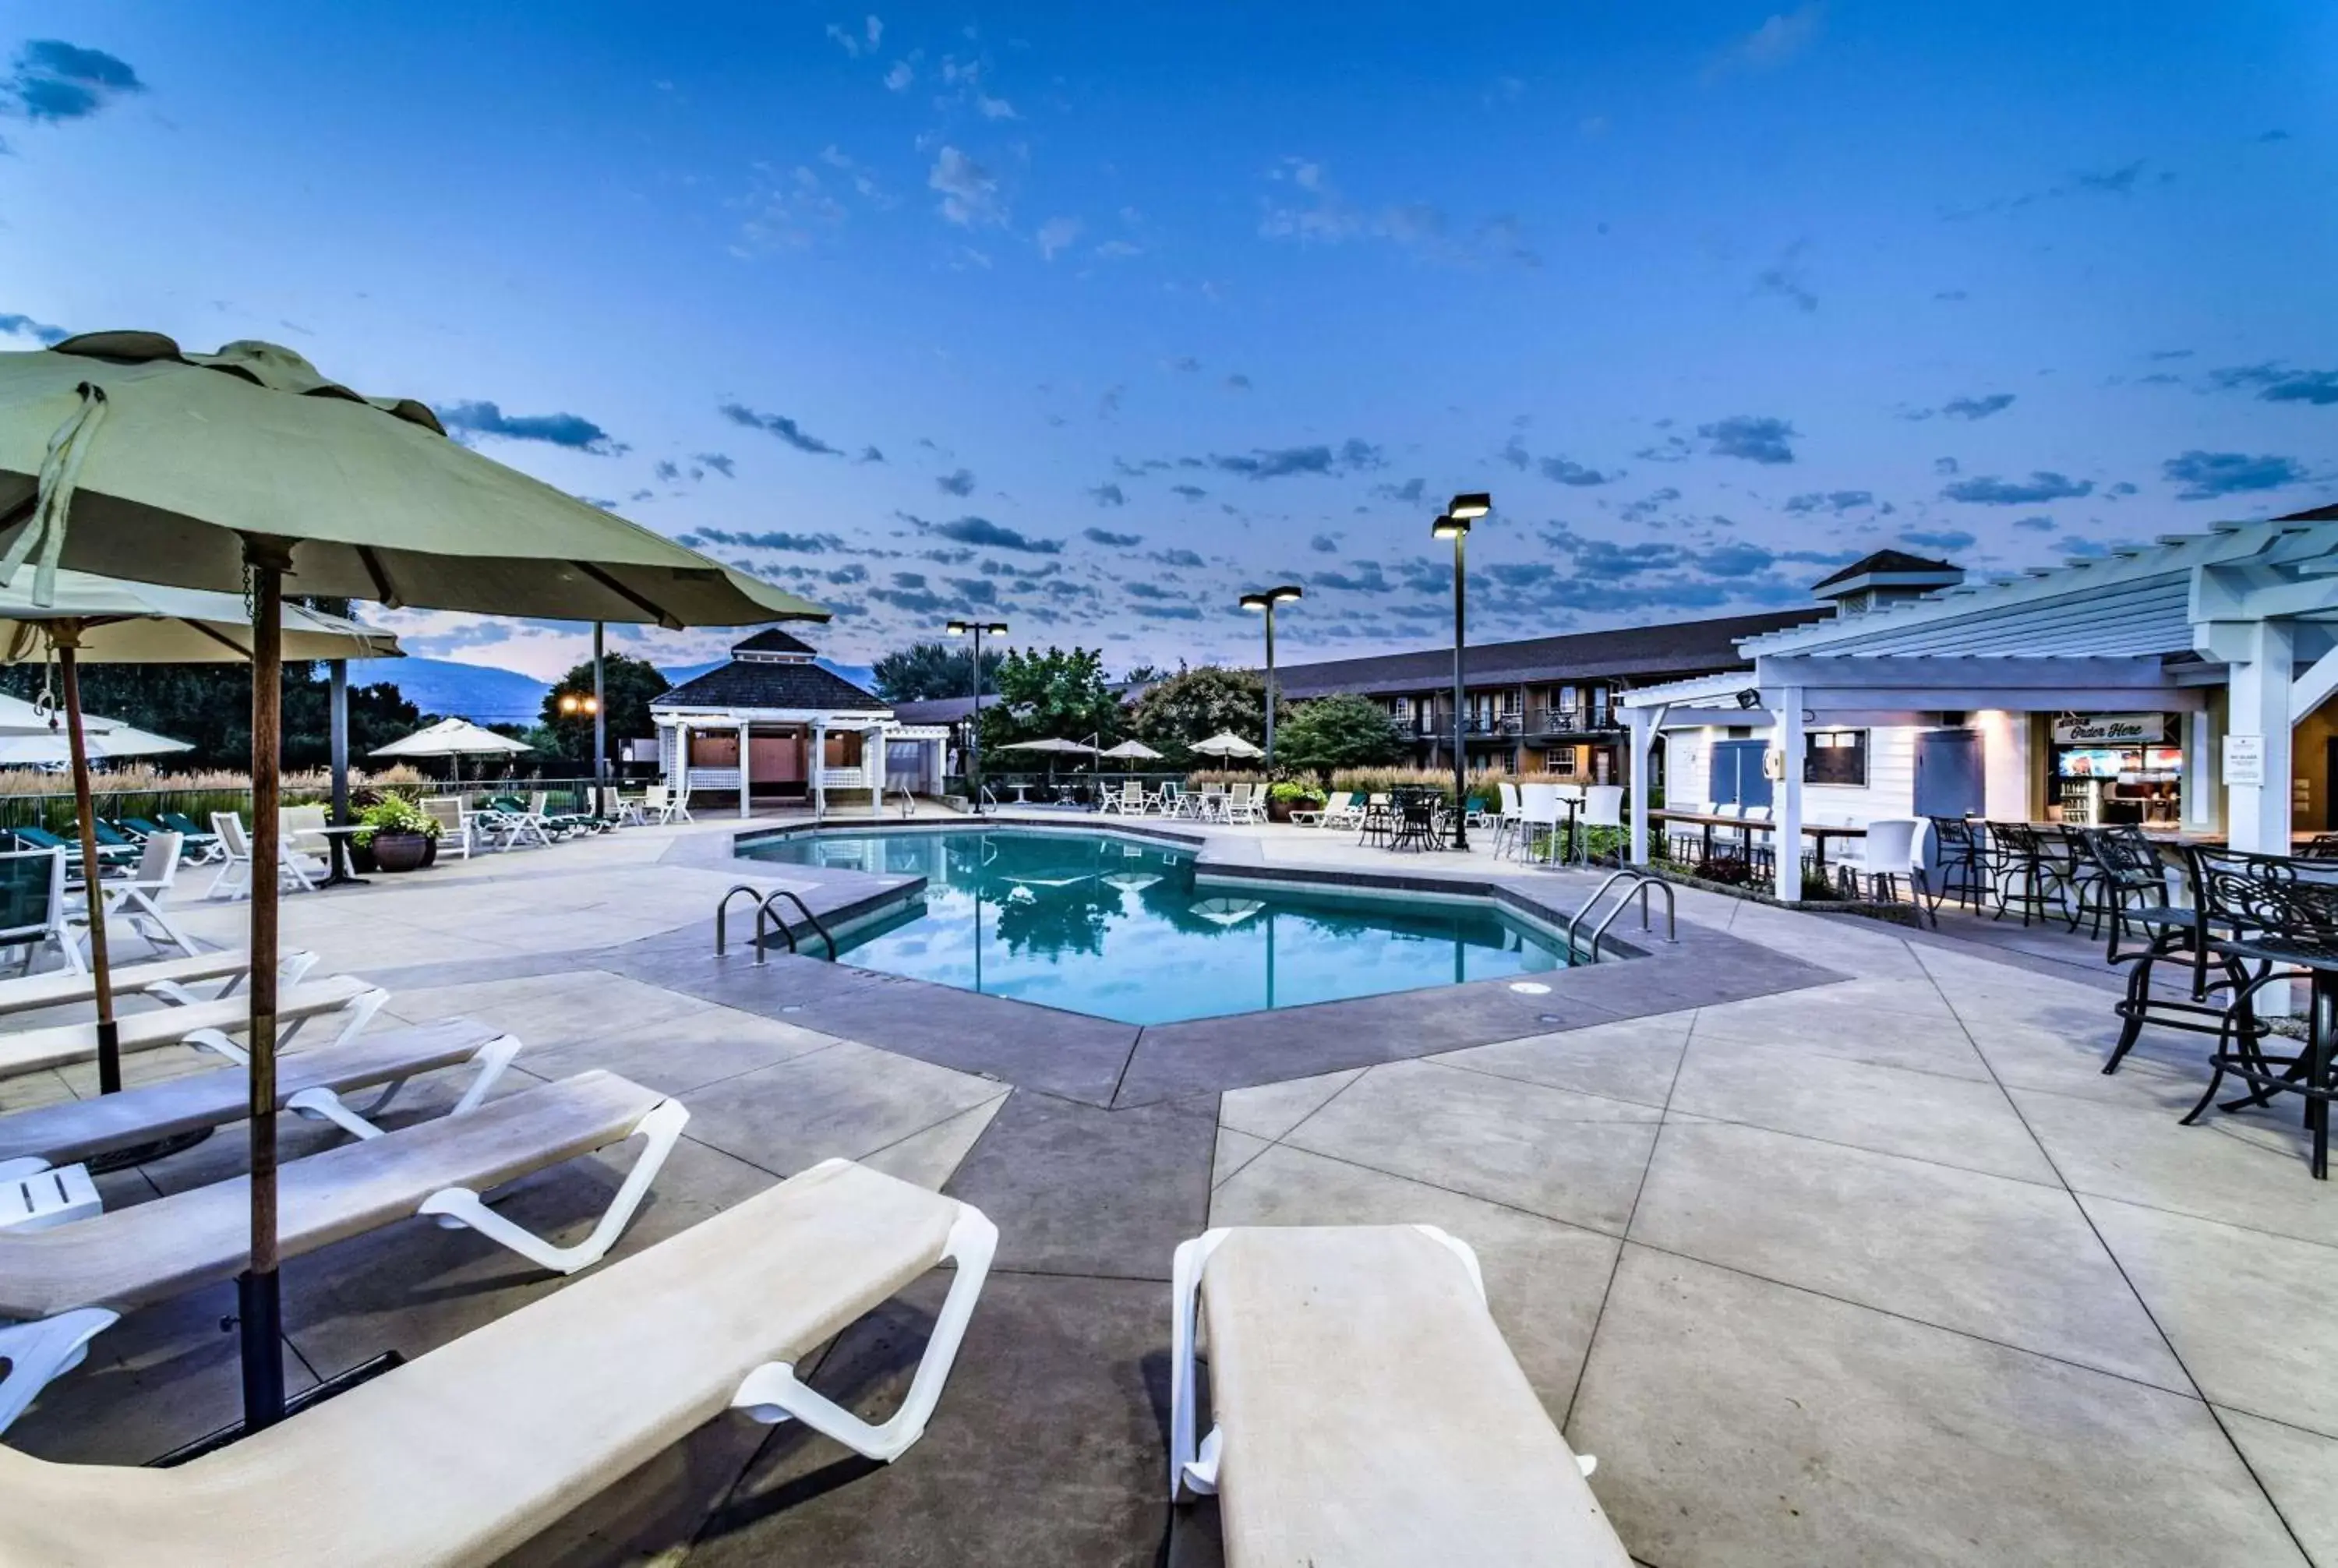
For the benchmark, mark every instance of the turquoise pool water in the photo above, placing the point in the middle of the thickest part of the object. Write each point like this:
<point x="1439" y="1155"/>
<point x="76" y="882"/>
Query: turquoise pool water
<point x="1116" y="930"/>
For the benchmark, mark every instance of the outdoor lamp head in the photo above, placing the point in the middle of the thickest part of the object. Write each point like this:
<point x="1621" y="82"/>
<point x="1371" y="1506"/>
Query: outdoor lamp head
<point x="1450" y="528"/>
<point x="1255" y="602"/>
<point x="1749" y="697"/>
<point x="1475" y="503"/>
<point x="1286" y="593"/>
<point x="957" y="629"/>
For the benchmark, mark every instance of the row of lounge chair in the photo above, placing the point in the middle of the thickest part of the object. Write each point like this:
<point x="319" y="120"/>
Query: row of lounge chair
<point x="1367" y="1410"/>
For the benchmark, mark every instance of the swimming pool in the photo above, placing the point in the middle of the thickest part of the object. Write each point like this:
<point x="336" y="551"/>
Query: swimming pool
<point x="1119" y="929"/>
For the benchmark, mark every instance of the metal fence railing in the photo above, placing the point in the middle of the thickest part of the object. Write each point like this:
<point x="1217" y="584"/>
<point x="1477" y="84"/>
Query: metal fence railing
<point x="55" y="811"/>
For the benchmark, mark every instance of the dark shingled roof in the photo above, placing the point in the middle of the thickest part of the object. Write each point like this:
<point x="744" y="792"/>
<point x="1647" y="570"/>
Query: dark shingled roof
<point x="2318" y="515"/>
<point x="1680" y="648"/>
<point x="1882" y="561"/>
<point x="771" y="640"/>
<point x="763" y="683"/>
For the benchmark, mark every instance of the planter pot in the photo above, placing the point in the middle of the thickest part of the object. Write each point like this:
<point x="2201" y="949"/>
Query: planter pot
<point x="429" y="851"/>
<point x="1277" y="810"/>
<point x="400" y="851"/>
<point x="361" y="858"/>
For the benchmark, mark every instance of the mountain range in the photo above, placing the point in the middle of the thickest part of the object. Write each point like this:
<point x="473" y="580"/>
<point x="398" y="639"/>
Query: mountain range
<point x="486" y="695"/>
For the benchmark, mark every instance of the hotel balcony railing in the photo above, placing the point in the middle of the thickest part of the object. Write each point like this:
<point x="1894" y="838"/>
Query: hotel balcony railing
<point x="1474" y="727"/>
<point x="1585" y="720"/>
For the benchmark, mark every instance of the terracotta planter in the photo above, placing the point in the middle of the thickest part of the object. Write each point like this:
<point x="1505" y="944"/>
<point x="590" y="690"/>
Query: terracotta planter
<point x="400" y="851"/>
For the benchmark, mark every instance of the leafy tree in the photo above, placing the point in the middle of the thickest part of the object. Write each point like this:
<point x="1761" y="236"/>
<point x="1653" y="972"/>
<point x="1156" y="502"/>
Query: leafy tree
<point x="1147" y="675"/>
<point x="1195" y="704"/>
<point x="1333" y="732"/>
<point x="627" y="685"/>
<point x="1056" y="693"/>
<point x="929" y="670"/>
<point x="209" y="706"/>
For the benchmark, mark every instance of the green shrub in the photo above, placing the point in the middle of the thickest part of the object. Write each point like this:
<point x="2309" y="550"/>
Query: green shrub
<point x="395" y="814"/>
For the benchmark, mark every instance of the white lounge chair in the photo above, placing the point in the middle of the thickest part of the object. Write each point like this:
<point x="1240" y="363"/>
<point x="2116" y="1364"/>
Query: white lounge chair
<point x="662" y="807"/>
<point x="66" y="1284"/>
<point x="308" y="1082"/>
<point x="1369" y="1413"/>
<point x="349" y="1002"/>
<point x="1345" y="809"/>
<point x="1315" y="817"/>
<point x="234" y="879"/>
<point x="165" y="979"/>
<point x="465" y="1455"/>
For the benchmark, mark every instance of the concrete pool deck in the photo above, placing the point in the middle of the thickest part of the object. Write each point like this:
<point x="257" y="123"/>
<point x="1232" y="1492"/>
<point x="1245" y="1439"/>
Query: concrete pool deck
<point x="1867" y="1263"/>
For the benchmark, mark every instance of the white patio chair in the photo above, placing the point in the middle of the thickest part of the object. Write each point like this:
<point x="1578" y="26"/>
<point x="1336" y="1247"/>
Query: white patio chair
<point x="1539" y="814"/>
<point x="307" y="854"/>
<point x="1345" y="810"/>
<point x="453" y="824"/>
<point x="1241" y="803"/>
<point x="1367" y="1409"/>
<point x="138" y="898"/>
<point x="1506" y="822"/>
<point x="662" y="805"/>
<point x="1602" y="807"/>
<point x="234" y="879"/>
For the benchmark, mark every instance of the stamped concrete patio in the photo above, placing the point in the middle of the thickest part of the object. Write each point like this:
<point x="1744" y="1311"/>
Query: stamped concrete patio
<point x="1852" y="1256"/>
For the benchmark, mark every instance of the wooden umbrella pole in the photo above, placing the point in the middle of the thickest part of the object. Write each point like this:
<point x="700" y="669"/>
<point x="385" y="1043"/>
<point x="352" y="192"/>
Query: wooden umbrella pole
<point x="66" y="635"/>
<point x="260" y="1302"/>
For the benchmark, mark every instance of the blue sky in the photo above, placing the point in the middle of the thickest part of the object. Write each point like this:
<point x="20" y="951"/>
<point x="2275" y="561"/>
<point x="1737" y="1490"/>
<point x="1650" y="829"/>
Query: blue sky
<point x="1090" y="319"/>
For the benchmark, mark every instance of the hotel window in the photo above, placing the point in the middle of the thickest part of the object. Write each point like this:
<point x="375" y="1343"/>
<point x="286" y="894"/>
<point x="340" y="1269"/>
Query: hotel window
<point x="1400" y="709"/>
<point x="1835" y="756"/>
<point x="1562" y="761"/>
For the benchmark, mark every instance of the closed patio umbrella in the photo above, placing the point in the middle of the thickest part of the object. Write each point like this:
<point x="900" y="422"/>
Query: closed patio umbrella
<point x="99" y="620"/>
<point x="233" y="471"/>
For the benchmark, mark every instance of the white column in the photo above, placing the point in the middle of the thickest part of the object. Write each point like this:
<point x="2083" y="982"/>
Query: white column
<point x="819" y="770"/>
<point x="2198" y="786"/>
<point x="743" y="775"/>
<point x="1645" y="724"/>
<point x="1786" y="802"/>
<point x="872" y="764"/>
<point x="678" y="787"/>
<point x="2256" y="816"/>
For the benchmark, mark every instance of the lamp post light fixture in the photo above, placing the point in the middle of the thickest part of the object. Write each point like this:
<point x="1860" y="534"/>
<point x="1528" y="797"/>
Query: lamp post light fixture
<point x="1462" y="511"/>
<point x="976" y="629"/>
<point x="1265" y="602"/>
<point x="571" y="703"/>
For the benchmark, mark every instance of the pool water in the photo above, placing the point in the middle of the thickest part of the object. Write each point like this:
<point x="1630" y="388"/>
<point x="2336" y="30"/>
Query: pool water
<point x="1117" y="929"/>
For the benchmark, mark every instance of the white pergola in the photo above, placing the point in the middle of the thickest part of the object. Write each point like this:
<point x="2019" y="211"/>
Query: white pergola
<point x="676" y="725"/>
<point x="2252" y="608"/>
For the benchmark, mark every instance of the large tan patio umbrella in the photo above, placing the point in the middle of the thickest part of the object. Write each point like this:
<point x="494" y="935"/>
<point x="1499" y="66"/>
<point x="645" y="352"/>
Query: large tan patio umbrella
<point x="233" y="471"/>
<point x="455" y="738"/>
<point x="103" y="620"/>
<point x="1225" y="743"/>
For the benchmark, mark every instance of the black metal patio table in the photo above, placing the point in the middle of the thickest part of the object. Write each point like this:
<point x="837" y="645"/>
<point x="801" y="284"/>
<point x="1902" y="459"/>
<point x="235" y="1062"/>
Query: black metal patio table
<point x="2284" y="911"/>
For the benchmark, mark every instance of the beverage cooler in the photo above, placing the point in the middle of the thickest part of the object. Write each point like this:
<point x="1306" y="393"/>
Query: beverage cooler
<point x="2108" y="770"/>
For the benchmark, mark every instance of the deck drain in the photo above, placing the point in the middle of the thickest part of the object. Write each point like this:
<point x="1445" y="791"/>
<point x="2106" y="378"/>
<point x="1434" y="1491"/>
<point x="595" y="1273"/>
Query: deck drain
<point x="1529" y="988"/>
<point x="1549" y="1018"/>
<point x="792" y="1007"/>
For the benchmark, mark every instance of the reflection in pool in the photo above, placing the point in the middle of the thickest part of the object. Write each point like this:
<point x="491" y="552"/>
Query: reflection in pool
<point x="1118" y="929"/>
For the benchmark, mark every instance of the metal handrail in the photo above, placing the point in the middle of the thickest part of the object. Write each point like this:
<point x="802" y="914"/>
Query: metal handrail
<point x="810" y="918"/>
<point x="721" y="915"/>
<point x="1640" y="885"/>
<point x="1635" y="881"/>
<point x="763" y="914"/>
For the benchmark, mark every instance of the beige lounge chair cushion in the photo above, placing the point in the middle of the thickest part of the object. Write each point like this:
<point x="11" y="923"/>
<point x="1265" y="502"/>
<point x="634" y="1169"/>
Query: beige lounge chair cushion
<point x="1372" y="1415"/>
<point x="74" y="1129"/>
<point x="59" y="986"/>
<point x="149" y="1251"/>
<point x="62" y="1044"/>
<point x="472" y="1450"/>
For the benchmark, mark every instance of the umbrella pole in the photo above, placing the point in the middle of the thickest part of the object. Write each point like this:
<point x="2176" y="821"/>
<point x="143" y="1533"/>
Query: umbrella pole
<point x="259" y="1301"/>
<point x="67" y="637"/>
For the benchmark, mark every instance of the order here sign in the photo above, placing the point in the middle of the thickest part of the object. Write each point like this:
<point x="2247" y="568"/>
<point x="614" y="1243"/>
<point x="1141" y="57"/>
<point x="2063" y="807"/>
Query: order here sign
<point x="2110" y="729"/>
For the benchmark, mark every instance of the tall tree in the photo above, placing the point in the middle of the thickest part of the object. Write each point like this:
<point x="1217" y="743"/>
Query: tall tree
<point x="1054" y="693"/>
<point x="628" y="684"/>
<point x="1334" y="732"/>
<point x="929" y="670"/>
<point x="1194" y="704"/>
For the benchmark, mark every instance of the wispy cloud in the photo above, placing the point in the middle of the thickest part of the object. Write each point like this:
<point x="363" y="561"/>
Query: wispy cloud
<point x="1110" y="540"/>
<point x="54" y="80"/>
<point x="1306" y="208"/>
<point x="780" y="426"/>
<point x="1783" y="37"/>
<point x="982" y="532"/>
<point x="858" y="41"/>
<point x="2277" y="383"/>
<point x="958" y="483"/>
<point x="2207" y="475"/>
<point x="795" y="543"/>
<point x="969" y="193"/>
<point x="1938" y="538"/>
<point x="1833" y="501"/>
<point x="40" y="332"/>
<point x="1757" y="439"/>
<point x="1056" y="235"/>
<point x="2042" y="487"/>
<point x="573" y="431"/>
<point x="1354" y="455"/>
<point x="1108" y="495"/>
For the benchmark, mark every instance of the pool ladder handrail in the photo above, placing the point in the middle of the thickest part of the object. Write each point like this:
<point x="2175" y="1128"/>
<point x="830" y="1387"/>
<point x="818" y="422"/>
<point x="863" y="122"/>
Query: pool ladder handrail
<point x="764" y="918"/>
<point x="789" y="894"/>
<point x="1635" y="882"/>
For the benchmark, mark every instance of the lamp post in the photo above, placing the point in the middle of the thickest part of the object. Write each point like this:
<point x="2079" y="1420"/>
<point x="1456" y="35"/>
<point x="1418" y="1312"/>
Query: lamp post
<point x="1266" y="601"/>
<point x="572" y="703"/>
<point x="600" y="730"/>
<point x="974" y="723"/>
<point x="1454" y="524"/>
